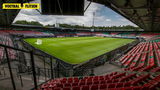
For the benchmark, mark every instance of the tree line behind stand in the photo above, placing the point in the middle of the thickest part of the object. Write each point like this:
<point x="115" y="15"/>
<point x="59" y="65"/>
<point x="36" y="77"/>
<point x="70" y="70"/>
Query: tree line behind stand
<point x="36" y="23"/>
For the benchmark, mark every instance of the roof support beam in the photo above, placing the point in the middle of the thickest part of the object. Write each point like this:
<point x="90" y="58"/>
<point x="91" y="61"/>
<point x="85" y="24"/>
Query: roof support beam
<point x="153" y="13"/>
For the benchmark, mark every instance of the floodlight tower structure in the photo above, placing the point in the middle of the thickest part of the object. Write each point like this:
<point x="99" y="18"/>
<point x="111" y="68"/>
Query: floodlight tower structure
<point x="92" y="30"/>
<point x="93" y="20"/>
<point x="57" y="24"/>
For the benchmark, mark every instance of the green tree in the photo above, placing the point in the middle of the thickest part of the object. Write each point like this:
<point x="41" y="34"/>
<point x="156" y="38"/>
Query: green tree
<point x="28" y="22"/>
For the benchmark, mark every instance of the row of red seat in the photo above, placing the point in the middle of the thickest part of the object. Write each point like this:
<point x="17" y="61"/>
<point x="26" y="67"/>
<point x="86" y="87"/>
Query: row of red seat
<point x="26" y="33"/>
<point x="157" y="69"/>
<point x="129" y="57"/>
<point x="143" y="57"/>
<point x="135" y="48"/>
<point x="6" y="40"/>
<point x="148" y="36"/>
<point x="151" y="61"/>
<point x="96" y="79"/>
<point x="130" y="80"/>
<point x="1" y="53"/>
<point x="134" y="62"/>
<point x="157" y="52"/>
<point x="152" y="84"/>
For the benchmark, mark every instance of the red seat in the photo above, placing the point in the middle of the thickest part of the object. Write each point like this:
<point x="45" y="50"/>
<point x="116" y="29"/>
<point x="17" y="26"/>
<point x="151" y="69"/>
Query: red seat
<point x="95" y="78"/>
<point x="137" y="88"/>
<point x="119" y="85"/>
<point x="85" y="78"/>
<point x="67" y="88"/>
<point x="76" y="88"/>
<point x="64" y="79"/>
<point x="82" y="83"/>
<point x="60" y="85"/>
<point x="70" y="79"/>
<point x="67" y="85"/>
<point x="102" y="82"/>
<point x="57" y="88"/>
<point x="74" y="84"/>
<point x="102" y="86"/>
<point x="85" y="87"/>
<point x="96" y="82"/>
<point x="89" y="83"/>
<point x="112" y="85"/>
<point x="101" y="78"/>
<point x="127" y="84"/>
<point x="109" y="81"/>
<point x="44" y="86"/>
<point x="115" y="80"/>
<point x="89" y="79"/>
<point x="127" y="88"/>
<point x="76" y="79"/>
<point x="94" y="87"/>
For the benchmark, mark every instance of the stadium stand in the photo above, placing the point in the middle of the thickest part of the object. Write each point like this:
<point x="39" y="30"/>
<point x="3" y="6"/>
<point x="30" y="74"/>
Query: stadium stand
<point x="113" y="81"/>
<point x="147" y="56"/>
<point x="6" y="40"/>
<point x="148" y="35"/>
<point x="114" y="34"/>
<point x="143" y="57"/>
<point x="27" y="33"/>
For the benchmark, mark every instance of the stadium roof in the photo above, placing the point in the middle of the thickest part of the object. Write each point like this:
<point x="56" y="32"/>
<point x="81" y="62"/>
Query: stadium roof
<point x="144" y="13"/>
<point x="7" y="16"/>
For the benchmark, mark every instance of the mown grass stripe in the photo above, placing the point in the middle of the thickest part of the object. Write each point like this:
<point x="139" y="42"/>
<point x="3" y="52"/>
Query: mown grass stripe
<point x="75" y="50"/>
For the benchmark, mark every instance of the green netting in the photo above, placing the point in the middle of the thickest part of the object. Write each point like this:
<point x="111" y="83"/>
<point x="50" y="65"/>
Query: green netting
<point x="105" y="33"/>
<point x="151" y="57"/>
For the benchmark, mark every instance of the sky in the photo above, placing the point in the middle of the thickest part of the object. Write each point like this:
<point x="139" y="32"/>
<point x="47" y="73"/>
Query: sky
<point x="103" y="17"/>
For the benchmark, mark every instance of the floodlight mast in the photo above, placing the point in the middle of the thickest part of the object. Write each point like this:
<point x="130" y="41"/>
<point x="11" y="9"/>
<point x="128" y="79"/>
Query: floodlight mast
<point x="93" y="19"/>
<point x="93" y="22"/>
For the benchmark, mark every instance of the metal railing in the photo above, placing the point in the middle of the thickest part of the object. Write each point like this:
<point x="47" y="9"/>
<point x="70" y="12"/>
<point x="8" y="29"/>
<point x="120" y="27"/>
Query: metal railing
<point x="33" y="68"/>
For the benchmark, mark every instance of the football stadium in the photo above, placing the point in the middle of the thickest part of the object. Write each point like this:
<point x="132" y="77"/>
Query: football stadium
<point x="80" y="57"/>
<point x="73" y="50"/>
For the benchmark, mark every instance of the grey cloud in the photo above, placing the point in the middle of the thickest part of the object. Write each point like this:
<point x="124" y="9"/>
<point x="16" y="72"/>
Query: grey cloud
<point x="100" y="20"/>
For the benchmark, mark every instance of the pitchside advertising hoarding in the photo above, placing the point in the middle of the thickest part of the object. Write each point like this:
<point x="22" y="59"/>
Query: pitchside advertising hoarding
<point x="20" y="6"/>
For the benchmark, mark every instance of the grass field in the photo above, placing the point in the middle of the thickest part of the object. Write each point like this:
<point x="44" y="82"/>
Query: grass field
<point x="75" y="50"/>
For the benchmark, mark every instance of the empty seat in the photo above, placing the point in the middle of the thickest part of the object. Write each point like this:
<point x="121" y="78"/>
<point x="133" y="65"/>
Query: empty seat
<point x="94" y="87"/>
<point x="82" y="83"/>
<point x="102" y="82"/>
<point x="111" y="85"/>
<point x="74" y="84"/>
<point x="96" y="82"/>
<point x="86" y="87"/>
<point x="76" y="88"/>
<point x="57" y="88"/>
<point x="119" y="85"/>
<point x="66" y="88"/>
<point x="89" y="83"/>
<point x="102" y="86"/>
<point x="67" y="85"/>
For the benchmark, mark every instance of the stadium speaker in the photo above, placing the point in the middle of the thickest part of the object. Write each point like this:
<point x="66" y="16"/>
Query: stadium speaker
<point x="62" y="7"/>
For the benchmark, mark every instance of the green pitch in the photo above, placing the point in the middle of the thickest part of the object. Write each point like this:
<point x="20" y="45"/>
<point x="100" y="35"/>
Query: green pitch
<point x="75" y="50"/>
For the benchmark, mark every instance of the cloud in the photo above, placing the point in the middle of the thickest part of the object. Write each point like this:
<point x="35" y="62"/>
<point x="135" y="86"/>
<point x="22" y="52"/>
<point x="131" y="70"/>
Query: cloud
<point x="123" y="19"/>
<point x="108" y="20"/>
<point x="103" y="17"/>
